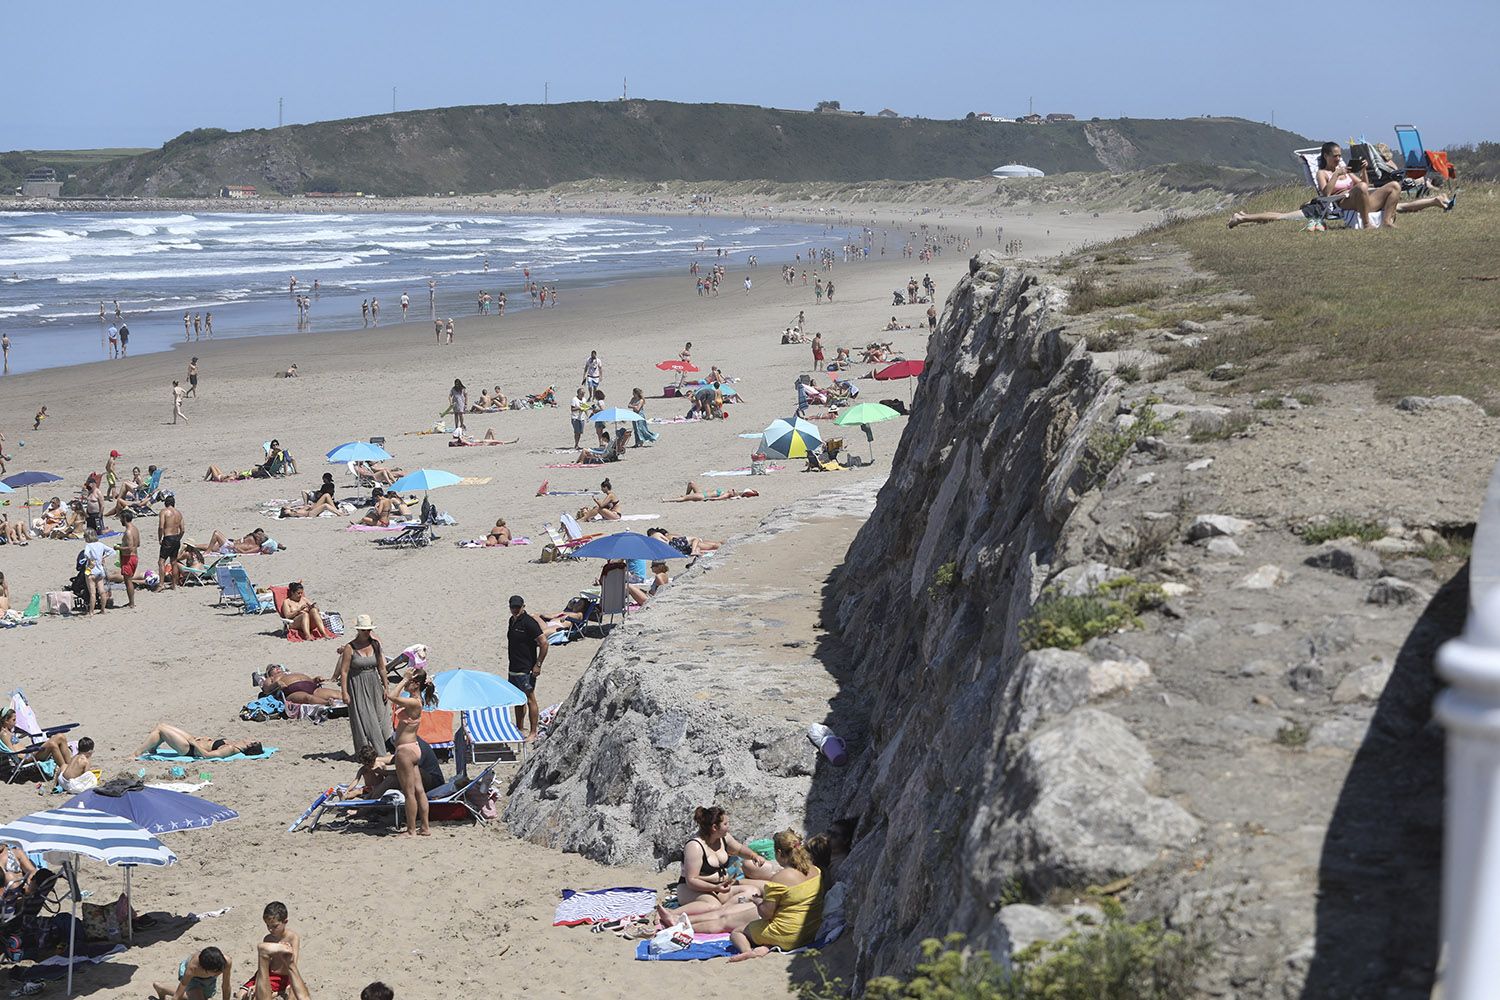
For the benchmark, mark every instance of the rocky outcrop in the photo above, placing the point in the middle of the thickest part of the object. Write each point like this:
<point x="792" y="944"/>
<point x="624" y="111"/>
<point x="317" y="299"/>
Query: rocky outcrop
<point x="985" y="766"/>
<point x="699" y="698"/>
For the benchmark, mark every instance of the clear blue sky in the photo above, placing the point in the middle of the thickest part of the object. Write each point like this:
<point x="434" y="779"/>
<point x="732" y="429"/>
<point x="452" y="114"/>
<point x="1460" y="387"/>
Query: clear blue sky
<point x="91" y="74"/>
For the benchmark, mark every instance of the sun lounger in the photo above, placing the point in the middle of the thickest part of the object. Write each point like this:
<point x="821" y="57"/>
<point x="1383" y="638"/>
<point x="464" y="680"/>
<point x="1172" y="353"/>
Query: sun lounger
<point x="470" y="795"/>
<point x="488" y="736"/>
<point x="413" y="536"/>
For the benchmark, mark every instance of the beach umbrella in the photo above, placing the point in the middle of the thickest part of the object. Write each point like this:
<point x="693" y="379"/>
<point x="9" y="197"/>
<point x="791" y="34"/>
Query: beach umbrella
<point x="425" y="479"/>
<point x="863" y="415"/>
<point x="86" y="833"/>
<point x="795" y="438"/>
<point x="627" y="545"/>
<point x="618" y="415"/>
<point x="465" y="690"/>
<point x="26" y="480"/>
<point x="678" y="366"/>
<point x="901" y="369"/>
<point x="358" y="451"/>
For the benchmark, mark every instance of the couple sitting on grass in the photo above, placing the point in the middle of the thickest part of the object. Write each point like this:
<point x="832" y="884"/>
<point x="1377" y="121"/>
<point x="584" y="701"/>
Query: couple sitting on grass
<point x="776" y="904"/>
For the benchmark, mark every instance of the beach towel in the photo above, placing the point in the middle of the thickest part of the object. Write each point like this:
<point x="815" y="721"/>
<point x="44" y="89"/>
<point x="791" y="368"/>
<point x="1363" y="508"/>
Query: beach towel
<point x="393" y="526"/>
<point x="572" y="465"/>
<point x="476" y="480"/>
<point x="741" y="472"/>
<point x="173" y="757"/>
<point x="597" y="906"/>
<point x="698" y="951"/>
<point x="478" y="543"/>
<point x="639" y="517"/>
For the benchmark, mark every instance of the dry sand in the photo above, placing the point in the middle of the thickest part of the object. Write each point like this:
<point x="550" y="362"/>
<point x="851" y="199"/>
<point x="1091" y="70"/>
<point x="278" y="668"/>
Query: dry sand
<point x="469" y="909"/>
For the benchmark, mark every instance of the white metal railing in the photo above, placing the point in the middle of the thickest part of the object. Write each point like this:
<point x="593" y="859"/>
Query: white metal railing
<point x="1469" y="708"/>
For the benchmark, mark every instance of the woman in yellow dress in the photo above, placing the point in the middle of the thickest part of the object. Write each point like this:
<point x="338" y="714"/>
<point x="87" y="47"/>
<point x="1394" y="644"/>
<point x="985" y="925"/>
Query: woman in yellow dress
<point x="790" y="905"/>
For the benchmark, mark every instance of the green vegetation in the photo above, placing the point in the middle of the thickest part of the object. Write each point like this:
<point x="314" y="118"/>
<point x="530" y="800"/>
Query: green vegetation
<point x="1342" y="526"/>
<point x="1087" y="293"/>
<point x="1129" y="374"/>
<point x="1112" y="959"/>
<point x="1293" y="736"/>
<point x="1415" y="311"/>
<point x="1476" y="162"/>
<point x="944" y="579"/>
<point x="1067" y="621"/>
<point x="498" y="147"/>
<point x="1108" y="447"/>
<point x="14" y="166"/>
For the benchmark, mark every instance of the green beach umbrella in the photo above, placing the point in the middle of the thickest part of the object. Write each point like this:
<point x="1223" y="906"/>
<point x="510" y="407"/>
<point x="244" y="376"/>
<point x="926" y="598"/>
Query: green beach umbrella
<point x="864" y="414"/>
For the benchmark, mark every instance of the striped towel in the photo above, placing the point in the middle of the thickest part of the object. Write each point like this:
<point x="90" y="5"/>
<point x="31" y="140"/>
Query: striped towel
<point x="597" y="906"/>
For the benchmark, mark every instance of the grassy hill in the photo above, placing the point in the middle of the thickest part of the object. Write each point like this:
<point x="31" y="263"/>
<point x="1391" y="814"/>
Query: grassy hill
<point x="15" y="165"/>
<point x="497" y="147"/>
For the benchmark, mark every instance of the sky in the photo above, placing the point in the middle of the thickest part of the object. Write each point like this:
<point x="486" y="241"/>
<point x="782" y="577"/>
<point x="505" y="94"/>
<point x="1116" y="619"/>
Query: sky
<point x="161" y="67"/>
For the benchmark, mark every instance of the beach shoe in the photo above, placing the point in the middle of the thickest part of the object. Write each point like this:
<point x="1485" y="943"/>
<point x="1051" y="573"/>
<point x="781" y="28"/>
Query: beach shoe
<point x="257" y="678"/>
<point x="1448" y="205"/>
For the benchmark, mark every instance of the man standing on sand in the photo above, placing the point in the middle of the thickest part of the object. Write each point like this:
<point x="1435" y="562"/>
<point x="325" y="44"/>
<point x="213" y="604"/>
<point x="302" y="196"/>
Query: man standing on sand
<point x="5" y="348"/>
<point x="437" y="328"/>
<point x="129" y="546"/>
<point x="527" y="650"/>
<point x="932" y="318"/>
<point x="114" y="342"/>
<point x="817" y="349"/>
<point x="192" y="379"/>
<point x="124" y="341"/>
<point x="578" y="409"/>
<point x="432" y="297"/>
<point x="405" y="301"/>
<point x="593" y="373"/>
<point x="178" y="392"/>
<point x="169" y="526"/>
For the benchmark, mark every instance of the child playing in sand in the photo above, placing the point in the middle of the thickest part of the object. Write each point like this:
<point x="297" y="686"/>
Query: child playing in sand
<point x="77" y="776"/>
<point x="280" y="960"/>
<point x="41" y="415"/>
<point x="199" y="977"/>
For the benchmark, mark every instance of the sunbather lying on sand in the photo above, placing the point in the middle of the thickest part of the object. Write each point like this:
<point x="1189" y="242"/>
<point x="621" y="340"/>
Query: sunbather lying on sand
<point x="572" y="614"/>
<point x="499" y="534"/>
<point x="457" y="441"/>
<point x="686" y="544"/>
<point x="185" y="743"/>
<point x="255" y="542"/>
<point x="378" y="472"/>
<point x="313" y="509"/>
<point x="694" y="494"/>
<point x="298" y="689"/>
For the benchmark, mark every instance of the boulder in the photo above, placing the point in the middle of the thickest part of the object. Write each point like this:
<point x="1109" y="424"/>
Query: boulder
<point x="1085" y="577"/>
<point x="1417" y="404"/>
<point x="1225" y="373"/>
<point x="1341" y="734"/>
<point x="1364" y="684"/>
<point x="1211" y="525"/>
<point x="1395" y="546"/>
<point x="1346" y="559"/>
<point x="1225" y="547"/>
<point x="1308" y="678"/>
<point x="1262" y="578"/>
<point x="1199" y="465"/>
<point x="1190" y="326"/>
<point x="1392" y="590"/>
<point x="1411" y="568"/>
<point x="1108" y="676"/>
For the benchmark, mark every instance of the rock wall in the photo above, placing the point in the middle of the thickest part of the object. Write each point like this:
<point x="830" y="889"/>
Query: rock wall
<point x="983" y="770"/>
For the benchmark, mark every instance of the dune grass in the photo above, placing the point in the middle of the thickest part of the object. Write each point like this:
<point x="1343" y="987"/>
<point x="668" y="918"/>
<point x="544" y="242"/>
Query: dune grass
<point x="1415" y="310"/>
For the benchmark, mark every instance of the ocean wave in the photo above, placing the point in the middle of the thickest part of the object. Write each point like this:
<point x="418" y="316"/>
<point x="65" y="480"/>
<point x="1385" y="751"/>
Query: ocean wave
<point x="29" y="307"/>
<point x="333" y="264"/>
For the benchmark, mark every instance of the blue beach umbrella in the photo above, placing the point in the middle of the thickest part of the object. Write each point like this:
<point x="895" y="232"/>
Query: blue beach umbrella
<point x="87" y="833"/>
<point x="26" y="480"/>
<point x="466" y="690"/>
<point x="617" y="415"/>
<point x="627" y="545"/>
<point x="156" y="810"/>
<point x="358" y="451"/>
<point x="793" y="438"/>
<point x="425" y="479"/>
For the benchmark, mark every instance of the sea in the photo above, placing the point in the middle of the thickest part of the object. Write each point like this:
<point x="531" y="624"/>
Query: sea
<point x="58" y="268"/>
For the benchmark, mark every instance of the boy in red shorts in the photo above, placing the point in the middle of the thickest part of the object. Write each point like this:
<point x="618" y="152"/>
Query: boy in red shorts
<point x="282" y="959"/>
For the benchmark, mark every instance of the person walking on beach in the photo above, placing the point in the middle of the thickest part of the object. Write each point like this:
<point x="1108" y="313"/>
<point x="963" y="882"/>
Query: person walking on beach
<point x="932" y="318"/>
<point x="197" y="326"/>
<point x="124" y="341"/>
<point x="578" y="409"/>
<point x="818" y="290"/>
<point x="192" y="379"/>
<point x="829" y="291"/>
<point x="526" y="649"/>
<point x="437" y="328"/>
<point x="361" y="677"/>
<point x="41" y="415"/>
<point x="178" y="394"/>
<point x="114" y="342"/>
<point x="593" y="373"/>
<point x="747" y="284"/>
<point x="817" y="351"/>
<point x="374" y="312"/>
<point x="458" y="398"/>
<point x="364" y="312"/>
<point x="449" y="330"/>
<point x="5" y="349"/>
<point x="208" y="325"/>
<point x="187" y="327"/>
<point x="130" y="551"/>
<point x="405" y="301"/>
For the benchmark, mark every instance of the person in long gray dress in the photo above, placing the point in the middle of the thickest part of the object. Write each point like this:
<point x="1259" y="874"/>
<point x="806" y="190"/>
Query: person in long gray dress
<point x="361" y="677"/>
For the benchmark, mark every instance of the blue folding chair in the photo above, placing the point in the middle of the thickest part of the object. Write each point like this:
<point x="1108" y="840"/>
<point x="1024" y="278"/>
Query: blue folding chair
<point x="249" y="603"/>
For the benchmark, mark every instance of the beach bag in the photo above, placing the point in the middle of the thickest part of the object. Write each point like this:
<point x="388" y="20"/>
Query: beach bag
<point x="333" y="622"/>
<point x="261" y="709"/>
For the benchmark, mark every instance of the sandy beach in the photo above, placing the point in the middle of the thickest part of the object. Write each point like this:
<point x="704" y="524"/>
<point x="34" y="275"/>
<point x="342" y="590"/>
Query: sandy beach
<point x="471" y="907"/>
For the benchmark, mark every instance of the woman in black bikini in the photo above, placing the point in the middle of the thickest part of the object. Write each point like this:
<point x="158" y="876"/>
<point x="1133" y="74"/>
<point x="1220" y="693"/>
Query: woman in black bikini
<point x="706" y="886"/>
<point x="606" y="507"/>
<point x="187" y="745"/>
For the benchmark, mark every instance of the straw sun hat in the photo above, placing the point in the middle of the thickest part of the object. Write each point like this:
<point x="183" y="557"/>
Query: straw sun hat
<point x="363" y="623"/>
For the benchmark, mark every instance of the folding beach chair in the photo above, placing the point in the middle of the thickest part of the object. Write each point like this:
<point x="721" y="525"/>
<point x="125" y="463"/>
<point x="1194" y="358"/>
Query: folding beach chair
<point x="413" y="536"/>
<point x="612" y="594"/>
<point x="558" y="547"/>
<point x="224" y="576"/>
<point x="249" y="602"/>
<point x="470" y="795"/>
<point x="12" y="764"/>
<point x="488" y="736"/>
<point x="575" y="532"/>
<point x="1324" y="207"/>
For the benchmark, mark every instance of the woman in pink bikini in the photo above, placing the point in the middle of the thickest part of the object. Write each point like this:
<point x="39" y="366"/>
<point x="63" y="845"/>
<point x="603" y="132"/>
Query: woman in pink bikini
<point x="1337" y="178"/>
<point x="408" y="697"/>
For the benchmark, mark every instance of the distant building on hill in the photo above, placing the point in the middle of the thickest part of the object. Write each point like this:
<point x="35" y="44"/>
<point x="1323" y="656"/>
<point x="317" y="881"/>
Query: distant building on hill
<point x="887" y="113"/>
<point x="1032" y="119"/>
<point x="983" y="116"/>
<point x="237" y="191"/>
<point x="1016" y="170"/>
<point x="41" y="183"/>
<point x="1059" y="118"/>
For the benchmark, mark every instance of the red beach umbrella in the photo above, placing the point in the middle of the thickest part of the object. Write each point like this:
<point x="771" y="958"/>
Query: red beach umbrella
<point x="901" y="369"/>
<point x="676" y="365"/>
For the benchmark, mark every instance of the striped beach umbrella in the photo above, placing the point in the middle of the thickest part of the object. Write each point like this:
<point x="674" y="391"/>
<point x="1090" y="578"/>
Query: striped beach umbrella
<point x="87" y="833"/>
<point x="793" y="438"/>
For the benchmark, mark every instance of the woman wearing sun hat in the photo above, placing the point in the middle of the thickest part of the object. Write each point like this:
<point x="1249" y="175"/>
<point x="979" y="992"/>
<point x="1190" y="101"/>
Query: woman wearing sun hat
<point x="361" y="677"/>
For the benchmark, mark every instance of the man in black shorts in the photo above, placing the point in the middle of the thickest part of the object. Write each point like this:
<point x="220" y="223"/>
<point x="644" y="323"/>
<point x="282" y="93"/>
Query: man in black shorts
<point x="169" y="526"/>
<point x="527" y="650"/>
